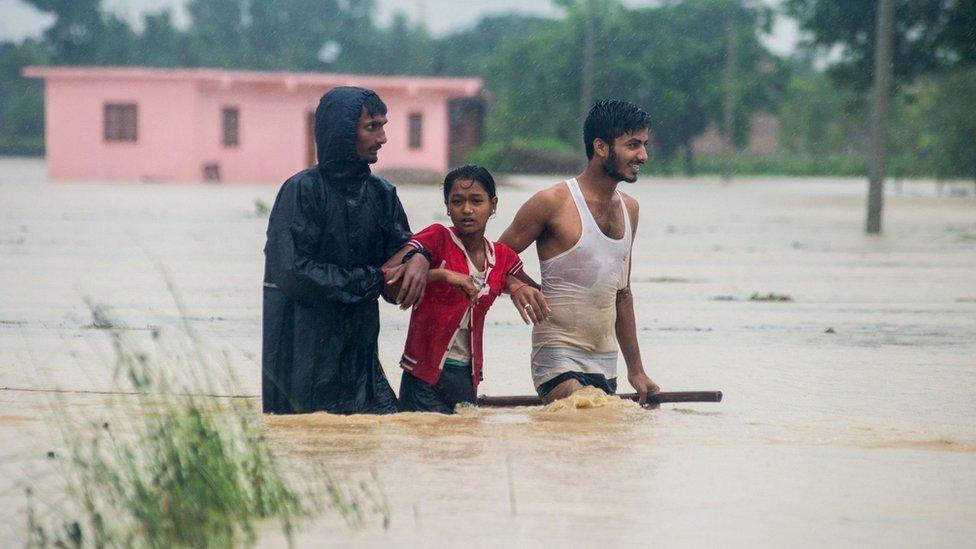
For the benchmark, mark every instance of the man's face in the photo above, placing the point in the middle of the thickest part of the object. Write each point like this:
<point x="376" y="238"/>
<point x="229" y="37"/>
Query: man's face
<point x="626" y="156"/>
<point x="370" y="136"/>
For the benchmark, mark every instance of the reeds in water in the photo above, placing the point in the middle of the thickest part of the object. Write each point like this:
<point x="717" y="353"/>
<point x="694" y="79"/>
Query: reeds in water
<point x="173" y="464"/>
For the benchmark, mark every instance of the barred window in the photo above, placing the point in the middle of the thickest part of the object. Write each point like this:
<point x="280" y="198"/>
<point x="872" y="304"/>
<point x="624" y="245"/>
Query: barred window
<point x="231" y="118"/>
<point x="121" y="122"/>
<point x="416" y="130"/>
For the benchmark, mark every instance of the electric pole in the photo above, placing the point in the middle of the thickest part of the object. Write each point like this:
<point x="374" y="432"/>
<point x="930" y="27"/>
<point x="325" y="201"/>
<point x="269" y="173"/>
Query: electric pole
<point x="589" y="45"/>
<point x="879" y="115"/>
<point x="729" y="99"/>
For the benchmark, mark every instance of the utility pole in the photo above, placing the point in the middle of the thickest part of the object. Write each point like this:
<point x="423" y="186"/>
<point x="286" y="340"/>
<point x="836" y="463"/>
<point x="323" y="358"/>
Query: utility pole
<point x="879" y="115"/>
<point x="589" y="45"/>
<point x="729" y="99"/>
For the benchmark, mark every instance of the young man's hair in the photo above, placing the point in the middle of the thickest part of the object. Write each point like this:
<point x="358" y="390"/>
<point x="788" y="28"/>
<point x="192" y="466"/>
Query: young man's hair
<point x="611" y="118"/>
<point x="373" y="104"/>
<point x="469" y="172"/>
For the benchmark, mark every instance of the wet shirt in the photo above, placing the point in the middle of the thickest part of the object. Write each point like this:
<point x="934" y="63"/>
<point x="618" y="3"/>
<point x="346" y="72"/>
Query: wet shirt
<point x="581" y="287"/>
<point x="460" y="349"/>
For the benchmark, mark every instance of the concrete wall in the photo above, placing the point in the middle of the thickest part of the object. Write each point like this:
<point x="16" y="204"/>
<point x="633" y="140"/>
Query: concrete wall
<point x="74" y="131"/>
<point x="180" y="127"/>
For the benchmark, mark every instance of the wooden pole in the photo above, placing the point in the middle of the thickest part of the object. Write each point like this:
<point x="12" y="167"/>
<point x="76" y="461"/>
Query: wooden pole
<point x="589" y="47"/>
<point x="729" y="99"/>
<point x="658" y="398"/>
<point x="879" y="116"/>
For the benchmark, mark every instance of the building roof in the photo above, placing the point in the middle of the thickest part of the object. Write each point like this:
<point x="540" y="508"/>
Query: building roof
<point x="289" y="80"/>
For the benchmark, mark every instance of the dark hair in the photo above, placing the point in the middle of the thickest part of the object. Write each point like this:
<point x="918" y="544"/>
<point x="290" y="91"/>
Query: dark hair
<point x="373" y="104"/>
<point x="611" y="118"/>
<point x="469" y="172"/>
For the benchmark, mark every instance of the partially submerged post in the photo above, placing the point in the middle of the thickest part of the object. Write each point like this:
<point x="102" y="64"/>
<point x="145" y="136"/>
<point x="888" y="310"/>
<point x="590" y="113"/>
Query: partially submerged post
<point x="729" y="98"/>
<point x="589" y="45"/>
<point x="879" y="115"/>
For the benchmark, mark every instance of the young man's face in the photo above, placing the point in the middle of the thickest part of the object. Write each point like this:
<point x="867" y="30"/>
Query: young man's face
<point x="469" y="206"/>
<point x="626" y="156"/>
<point x="370" y="136"/>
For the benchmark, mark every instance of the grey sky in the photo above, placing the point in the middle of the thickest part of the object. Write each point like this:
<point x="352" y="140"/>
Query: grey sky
<point x="18" y="20"/>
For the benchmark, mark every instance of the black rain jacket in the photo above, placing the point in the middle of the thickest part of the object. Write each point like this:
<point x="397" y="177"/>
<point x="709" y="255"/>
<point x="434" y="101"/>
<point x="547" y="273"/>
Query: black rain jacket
<point x="331" y="228"/>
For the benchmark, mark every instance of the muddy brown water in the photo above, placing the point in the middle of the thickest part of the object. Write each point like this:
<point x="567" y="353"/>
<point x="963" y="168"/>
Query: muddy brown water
<point x="862" y="435"/>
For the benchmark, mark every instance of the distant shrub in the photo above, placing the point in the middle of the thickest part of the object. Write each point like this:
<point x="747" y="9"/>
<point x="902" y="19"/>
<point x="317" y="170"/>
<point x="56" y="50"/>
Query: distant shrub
<point x="539" y="156"/>
<point x="841" y="166"/>
<point x="22" y="146"/>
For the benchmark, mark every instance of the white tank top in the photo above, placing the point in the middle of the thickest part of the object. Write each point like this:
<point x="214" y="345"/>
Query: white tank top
<point x="581" y="286"/>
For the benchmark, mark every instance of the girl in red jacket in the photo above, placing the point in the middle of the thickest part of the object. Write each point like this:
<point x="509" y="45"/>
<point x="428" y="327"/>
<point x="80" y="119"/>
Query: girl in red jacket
<point x="442" y="359"/>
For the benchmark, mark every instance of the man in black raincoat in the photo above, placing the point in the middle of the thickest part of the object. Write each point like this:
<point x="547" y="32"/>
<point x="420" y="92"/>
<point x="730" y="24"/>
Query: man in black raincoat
<point x="331" y="229"/>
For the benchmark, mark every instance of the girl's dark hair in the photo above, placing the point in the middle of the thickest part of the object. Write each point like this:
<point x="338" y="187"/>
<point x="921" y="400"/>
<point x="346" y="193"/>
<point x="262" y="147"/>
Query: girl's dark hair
<point x="611" y="118"/>
<point x="469" y="172"/>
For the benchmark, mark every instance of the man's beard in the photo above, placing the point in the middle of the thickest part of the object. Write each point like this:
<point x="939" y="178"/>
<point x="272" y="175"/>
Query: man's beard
<point x="610" y="168"/>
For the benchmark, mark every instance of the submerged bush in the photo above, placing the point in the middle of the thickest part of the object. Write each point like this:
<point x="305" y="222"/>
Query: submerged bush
<point x="175" y="465"/>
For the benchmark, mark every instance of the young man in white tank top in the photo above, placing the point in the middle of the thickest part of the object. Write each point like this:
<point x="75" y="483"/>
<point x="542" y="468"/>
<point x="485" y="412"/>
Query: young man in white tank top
<point x="584" y="230"/>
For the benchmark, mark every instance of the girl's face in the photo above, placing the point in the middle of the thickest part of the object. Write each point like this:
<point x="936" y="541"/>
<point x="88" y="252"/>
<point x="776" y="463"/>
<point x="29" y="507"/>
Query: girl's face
<point x="469" y="207"/>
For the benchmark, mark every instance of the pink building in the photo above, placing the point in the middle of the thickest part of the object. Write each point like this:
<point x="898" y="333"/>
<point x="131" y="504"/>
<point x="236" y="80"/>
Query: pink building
<point x="140" y="124"/>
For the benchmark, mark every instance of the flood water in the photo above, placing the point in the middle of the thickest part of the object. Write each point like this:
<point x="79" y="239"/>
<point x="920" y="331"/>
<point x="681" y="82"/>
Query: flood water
<point x="848" y="417"/>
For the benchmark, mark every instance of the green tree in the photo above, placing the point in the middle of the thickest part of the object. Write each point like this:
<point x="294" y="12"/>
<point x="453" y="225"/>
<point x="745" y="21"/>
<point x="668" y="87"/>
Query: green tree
<point x="818" y="117"/>
<point x="21" y="100"/>
<point x="955" y="123"/>
<point x="934" y="50"/>
<point x="84" y="34"/>
<point x="401" y="48"/>
<point x="306" y="34"/>
<point x="469" y="52"/>
<point x="667" y="59"/>
<point x="216" y="33"/>
<point x="928" y="35"/>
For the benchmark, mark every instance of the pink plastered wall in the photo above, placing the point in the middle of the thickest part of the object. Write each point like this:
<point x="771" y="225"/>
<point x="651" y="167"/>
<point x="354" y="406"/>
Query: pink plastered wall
<point x="434" y="151"/>
<point x="271" y="142"/>
<point x="180" y="124"/>
<point x="74" y="131"/>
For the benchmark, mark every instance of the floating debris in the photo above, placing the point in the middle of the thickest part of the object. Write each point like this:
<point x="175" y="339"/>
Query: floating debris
<point x="781" y="298"/>
<point x="666" y="280"/>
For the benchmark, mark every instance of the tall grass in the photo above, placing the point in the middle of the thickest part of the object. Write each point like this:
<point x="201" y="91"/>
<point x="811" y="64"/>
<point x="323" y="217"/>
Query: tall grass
<point x="173" y="465"/>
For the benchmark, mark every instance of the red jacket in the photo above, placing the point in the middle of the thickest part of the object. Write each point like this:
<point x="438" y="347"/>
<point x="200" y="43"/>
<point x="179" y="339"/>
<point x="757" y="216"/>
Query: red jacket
<point x="437" y="318"/>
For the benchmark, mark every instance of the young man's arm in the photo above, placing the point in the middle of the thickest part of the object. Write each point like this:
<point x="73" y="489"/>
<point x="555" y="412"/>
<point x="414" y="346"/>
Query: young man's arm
<point x="626" y="325"/>
<point x="530" y="221"/>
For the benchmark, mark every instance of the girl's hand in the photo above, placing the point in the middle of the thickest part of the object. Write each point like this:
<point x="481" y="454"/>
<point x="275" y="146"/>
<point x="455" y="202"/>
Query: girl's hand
<point x="531" y="304"/>
<point x="465" y="285"/>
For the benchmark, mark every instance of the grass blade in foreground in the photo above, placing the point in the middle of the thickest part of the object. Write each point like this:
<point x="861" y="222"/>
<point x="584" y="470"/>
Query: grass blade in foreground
<point x="171" y="466"/>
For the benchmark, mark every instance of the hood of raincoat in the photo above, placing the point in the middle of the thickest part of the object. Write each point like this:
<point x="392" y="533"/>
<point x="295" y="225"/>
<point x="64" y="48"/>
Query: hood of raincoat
<point x="335" y="133"/>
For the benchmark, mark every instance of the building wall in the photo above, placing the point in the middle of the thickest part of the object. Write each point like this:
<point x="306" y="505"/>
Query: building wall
<point x="762" y="139"/>
<point x="74" y="131"/>
<point x="180" y="130"/>
<point x="271" y="139"/>
<point x="433" y="154"/>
